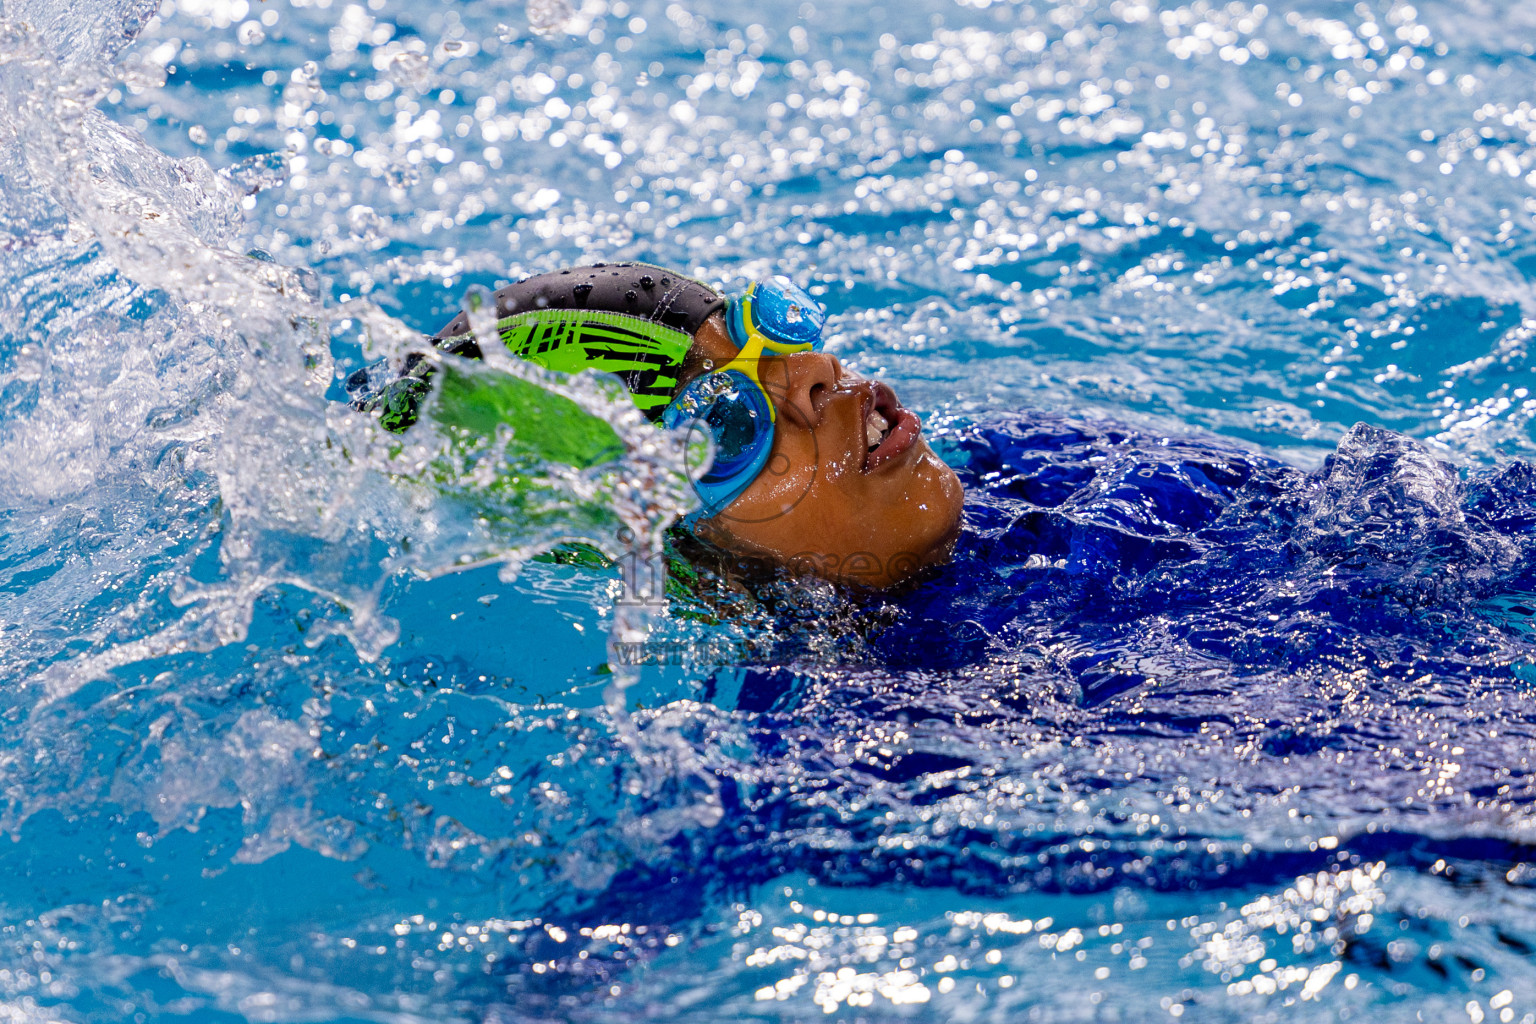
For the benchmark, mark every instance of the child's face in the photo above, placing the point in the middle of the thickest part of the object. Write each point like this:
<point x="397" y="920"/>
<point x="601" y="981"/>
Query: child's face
<point x="825" y="503"/>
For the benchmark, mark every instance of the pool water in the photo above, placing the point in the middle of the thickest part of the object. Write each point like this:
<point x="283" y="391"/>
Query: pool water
<point x="1223" y="712"/>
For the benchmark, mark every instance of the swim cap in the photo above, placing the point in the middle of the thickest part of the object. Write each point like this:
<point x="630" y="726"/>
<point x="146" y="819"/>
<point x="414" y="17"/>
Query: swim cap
<point x="630" y="319"/>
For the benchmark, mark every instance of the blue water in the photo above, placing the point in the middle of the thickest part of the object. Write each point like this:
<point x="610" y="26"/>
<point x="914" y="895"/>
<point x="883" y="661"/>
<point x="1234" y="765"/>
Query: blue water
<point x="1223" y="712"/>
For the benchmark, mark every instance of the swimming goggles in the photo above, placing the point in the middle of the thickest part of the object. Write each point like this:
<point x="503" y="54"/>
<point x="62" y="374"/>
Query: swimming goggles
<point x="730" y="405"/>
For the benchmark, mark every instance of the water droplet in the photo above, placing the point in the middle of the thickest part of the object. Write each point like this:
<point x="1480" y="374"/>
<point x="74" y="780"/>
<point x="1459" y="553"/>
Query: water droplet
<point x="254" y="174"/>
<point x="547" y="17"/>
<point x="409" y="69"/>
<point x="29" y="363"/>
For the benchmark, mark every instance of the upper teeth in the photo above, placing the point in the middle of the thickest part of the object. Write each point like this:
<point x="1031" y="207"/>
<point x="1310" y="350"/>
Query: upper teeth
<point x="875" y="427"/>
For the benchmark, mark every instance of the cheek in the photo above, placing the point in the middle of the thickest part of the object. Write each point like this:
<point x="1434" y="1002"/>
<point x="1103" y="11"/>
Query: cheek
<point x="790" y="473"/>
<point x="787" y="479"/>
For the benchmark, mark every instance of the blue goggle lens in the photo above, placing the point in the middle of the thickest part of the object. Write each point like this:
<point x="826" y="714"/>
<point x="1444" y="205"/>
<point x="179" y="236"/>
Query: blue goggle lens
<point x="783" y="311"/>
<point x="733" y="411"/>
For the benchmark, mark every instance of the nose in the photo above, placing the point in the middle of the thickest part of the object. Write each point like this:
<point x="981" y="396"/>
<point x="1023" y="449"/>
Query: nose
<point x="801" y="385"/>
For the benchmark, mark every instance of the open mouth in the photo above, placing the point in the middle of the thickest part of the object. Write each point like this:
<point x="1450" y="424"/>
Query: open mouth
<point x="889" y="430"/>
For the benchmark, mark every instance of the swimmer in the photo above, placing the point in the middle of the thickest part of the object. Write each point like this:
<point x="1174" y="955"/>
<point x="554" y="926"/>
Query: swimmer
<point x="815" y="468"/>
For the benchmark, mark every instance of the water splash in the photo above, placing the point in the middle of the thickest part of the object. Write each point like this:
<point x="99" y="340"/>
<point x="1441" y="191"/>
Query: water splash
<point x="303" y="484"/>
<point x="161" y="373"/>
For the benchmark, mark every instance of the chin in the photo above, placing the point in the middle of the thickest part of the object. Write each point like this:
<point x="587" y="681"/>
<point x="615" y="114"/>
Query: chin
<point x="945" y="497"/>
<point x="934" y="550"/>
